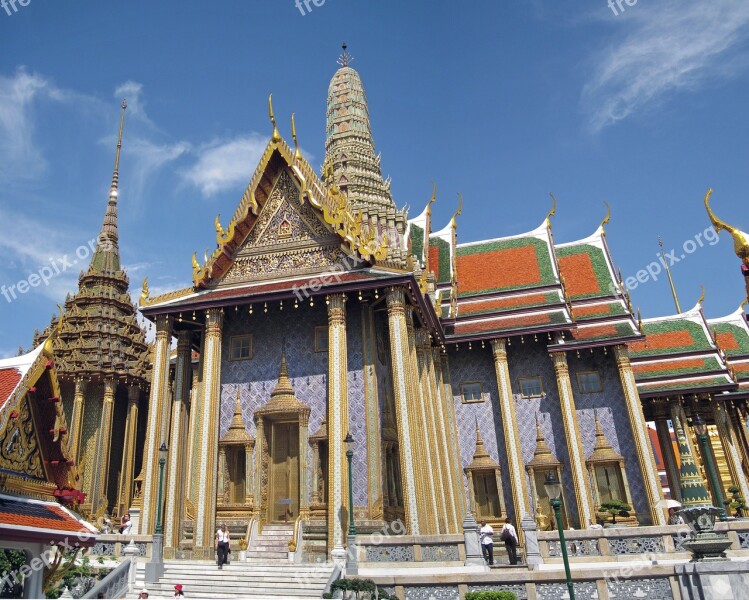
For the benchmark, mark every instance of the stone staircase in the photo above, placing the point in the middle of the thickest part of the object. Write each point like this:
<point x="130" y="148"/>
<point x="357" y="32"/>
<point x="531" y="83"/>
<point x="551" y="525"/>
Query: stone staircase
<point x="270" y="581"/>
<point x="272" y="544"/>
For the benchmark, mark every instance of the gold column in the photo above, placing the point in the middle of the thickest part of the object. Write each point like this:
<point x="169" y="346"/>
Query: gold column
<point x="399" y="349"/>
<point x="248" y="472"/>
<point x="643" y="447"/>
<point x="127" y="473"/>
<point x="76" y="419"/>
<point x="192" y="434"/>
<point x="100" y="468"/>
<point x="372" y="409"/>
<point x="443" y="439"/>
<point x="580" y="479"/>
<point x="427" y="498"/>
<point x="669" y="457"/>
<point x="315" y="475"/>
<point x="435" y="444"/>
<point x="731" y="448"/>
<point x="338" y="422"/>
<point x="177" y="445"/>
<point x="207" y="464"/>
<point x="518" y="482"/>
<point x="303" y="454"/>
<point x="261" y="505"/>
<point x="159" y="386"/>
<point x="456" y="471"/>
<point x="222" y="477"/>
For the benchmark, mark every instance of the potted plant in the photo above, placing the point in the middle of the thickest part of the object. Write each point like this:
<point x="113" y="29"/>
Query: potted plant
<point x="616" y="508"/>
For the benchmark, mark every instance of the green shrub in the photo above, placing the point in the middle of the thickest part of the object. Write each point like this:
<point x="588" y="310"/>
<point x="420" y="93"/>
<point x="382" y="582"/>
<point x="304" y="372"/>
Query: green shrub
<point x="327" y="595"/>
<point x="491" y="596"/>
<point x="354" y="585"/>
<point x="616" y="508"/>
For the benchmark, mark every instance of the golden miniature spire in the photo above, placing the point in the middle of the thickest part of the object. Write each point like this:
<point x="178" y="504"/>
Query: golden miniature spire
<point x="542" y="457"/>
<point x="607" y="218"/>
<point x="602" y="449"/>
<point x="345" y="59"/>
<point x="109" y="227"/>
<point x="276" y="136"/>
<point x="237" y="433"/>
<point x="670" y="279"/>
<point x="553" y="210"/>
<point x="297" y="153"/>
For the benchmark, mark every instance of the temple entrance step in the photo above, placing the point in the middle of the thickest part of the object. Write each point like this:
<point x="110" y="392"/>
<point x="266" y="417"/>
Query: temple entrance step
<point x="270" y="581"/>
<point x="272" y="544"/>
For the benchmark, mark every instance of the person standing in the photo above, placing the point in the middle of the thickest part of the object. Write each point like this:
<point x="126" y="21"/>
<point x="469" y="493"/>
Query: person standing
<point x="486" y="533"/>
<point x="510" y="537"/>
<point x="178" y="595"/>
<point x="222" y="545"/>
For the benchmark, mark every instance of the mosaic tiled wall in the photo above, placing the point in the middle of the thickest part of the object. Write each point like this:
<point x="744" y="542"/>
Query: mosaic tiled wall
<point x="91" y="423"/>
<point x="477" y="365"/>
<point x="308" y="371"/>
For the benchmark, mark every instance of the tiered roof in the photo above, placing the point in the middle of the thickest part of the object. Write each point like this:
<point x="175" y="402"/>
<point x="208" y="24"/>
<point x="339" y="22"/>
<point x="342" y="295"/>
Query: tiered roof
<point x="678" y="356"/>
<point x="732" y="336"/>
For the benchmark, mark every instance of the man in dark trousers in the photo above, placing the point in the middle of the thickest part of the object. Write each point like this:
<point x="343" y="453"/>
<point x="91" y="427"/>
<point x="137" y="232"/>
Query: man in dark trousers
<point x="486" y="533"/>
<point x="222" y="545"/>
<point x="510" y="537"/>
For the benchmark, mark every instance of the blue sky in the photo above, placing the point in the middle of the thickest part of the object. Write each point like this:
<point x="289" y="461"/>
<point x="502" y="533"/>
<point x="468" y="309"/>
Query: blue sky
<point x="501" y="101"/>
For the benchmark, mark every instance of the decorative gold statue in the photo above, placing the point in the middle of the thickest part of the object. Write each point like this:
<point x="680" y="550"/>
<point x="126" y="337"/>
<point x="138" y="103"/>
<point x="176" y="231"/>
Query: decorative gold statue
<point x="740" y="239"/>
<point x="542" y="521"/>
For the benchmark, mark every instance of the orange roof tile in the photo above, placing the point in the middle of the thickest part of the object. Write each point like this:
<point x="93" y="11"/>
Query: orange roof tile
<point x="660" y="341"/>
<point x="579" y="276"/>
<point x="727" y="341"/>
<point x="513" y="267"/>
<point x="9" y="379"/>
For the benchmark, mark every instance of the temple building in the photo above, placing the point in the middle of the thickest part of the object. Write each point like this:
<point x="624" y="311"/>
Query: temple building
<point x="103" y="368"/>
<point x="464" y="373"/>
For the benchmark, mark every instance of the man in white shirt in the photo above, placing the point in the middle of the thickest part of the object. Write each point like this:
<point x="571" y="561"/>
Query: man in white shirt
<point x="486" y="533"/>
<point x="222" y="545"/>
<point x="510" y="537"/>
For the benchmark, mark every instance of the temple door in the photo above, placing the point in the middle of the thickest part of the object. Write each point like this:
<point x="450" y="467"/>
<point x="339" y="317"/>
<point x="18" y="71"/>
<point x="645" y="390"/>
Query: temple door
<point x="284" y="472"/>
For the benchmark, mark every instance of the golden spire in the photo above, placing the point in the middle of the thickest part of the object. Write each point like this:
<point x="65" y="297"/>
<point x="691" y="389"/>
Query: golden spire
<point x="602" y="449"/>
<point x="297" y="153"/>
<point x="109" y="227"/>
<point x="542" y="457"/>
<point x="670" y="279"/>
<point x="116" y="173"/>
<point x="481" y="458"/>
<point x="237" y="433"/>
<point x="276" y="136"/>
<point x="345" y="59"/>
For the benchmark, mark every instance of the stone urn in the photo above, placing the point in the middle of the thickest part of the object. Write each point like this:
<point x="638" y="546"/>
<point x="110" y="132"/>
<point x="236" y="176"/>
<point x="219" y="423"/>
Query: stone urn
<point x="705" y="543"/>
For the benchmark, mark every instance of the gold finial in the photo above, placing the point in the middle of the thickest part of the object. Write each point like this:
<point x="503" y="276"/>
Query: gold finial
<point x="670" y="279"/>
<point x="639" y="320"/>
<point x="433" y="199"/>
<point x="740" y="239"/>
<point x="116" y="172"/>
<point x="744" y="303"/>
<point x="460" y="208"/>
<point x="553" y="210"/>
<point x="345" y="59"/>
<point x="276" y="136"/>
<point x="297" y="153"/>
<point x="195" y="264"/>
<point x="217" y="223"/>
<point x="145" y="294"/>
<point x="702" y="296"/>
<point x="607" y="218"/>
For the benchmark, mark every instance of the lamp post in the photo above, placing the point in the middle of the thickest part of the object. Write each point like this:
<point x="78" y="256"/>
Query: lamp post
<point x="352" y="564"/>
<point x="554" y="492"/>
<point x="155" y="567"/>
<point x="701" y="428"/>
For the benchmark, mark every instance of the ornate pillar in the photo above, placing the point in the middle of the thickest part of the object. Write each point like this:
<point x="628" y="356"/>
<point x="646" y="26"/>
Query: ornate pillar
<point x="192" y="435"/>
<point x="159" y="387"/>
<point x="207" y="464"/>
<point x="127" y="473"/>
<point x="435" y="445"/>
<point x="730" y="442"/>
<point x="639" y="426"/>
<point x="580" y="479"/>
<point x="100" y="468"/>
<point x="693" y="489"/>
<point x="338" y="422"/>
<point x="315" y="475"/>
<point x="396" y="306"/>
<point x="518" y="482"/>
<point x="303" y="452"/>
<point x="452" y="428"/>
<point x="372" y="408"/>
<point x="223" y="476"/>
<point x="417" y="404"/>
<point x="76" y="420"/>
<point x="248" y="472"/>
<point x="261" y="503"/>
<point x="669" y="457"/>
<point x="431" y="356"/>
<point x="174" y="492"/>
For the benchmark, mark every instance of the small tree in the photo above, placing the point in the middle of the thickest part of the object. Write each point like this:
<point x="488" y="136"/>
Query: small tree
<point x="616" y="508"/>
<point x="737" y="503"/>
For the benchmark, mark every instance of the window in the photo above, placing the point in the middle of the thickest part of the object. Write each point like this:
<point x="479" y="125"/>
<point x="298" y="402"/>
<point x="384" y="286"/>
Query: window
<point x="471" y="392"/>
<point x="530" y="387"/>
<point x="321" y="339"/>
<point x="589" y="382"/>
<point x="486" y="494"/>
<point x="240" y="347"/>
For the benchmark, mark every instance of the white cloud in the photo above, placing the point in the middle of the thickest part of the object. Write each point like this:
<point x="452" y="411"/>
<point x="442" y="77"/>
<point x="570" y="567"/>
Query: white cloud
<point x="132" y="92"/>
<point x="147" y="159"/>
<point x="665" y="47"/>
<point x="223" y="164"/>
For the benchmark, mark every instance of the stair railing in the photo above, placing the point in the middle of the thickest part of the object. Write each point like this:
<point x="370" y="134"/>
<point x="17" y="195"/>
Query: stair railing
<point x="114" y="585"/>
<point x="253" y="530"/>
<point x="295" y="543"/>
